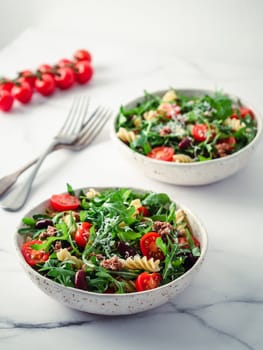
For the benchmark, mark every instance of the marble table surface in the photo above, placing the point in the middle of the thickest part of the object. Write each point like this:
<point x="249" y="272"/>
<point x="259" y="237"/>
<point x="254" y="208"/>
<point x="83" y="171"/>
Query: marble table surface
<point x="223" y="307"/>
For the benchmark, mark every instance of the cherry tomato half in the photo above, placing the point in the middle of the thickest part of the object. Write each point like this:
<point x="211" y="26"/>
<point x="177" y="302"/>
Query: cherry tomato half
<point x="201" y="131"/>
<point x="182" y="241"/>
<point x="23" y="92"/>
<point x="6" y="100"/>
<point x="162" y="153"/>
<point x="82" y="55"/>
<point x="143" y="211"/>
<point x="65" y="77"/>
<point x="146" y="281"/>
<point x="64" y="201"/>
<point x="231" y="141"/>
<point x="83" y="72"/>
<point x="148" y="246"/>
<point x="45" y="85"/>
<point x="246" y="111"/>
<point x="82" y="234"/>
<point x="33" y="256"/>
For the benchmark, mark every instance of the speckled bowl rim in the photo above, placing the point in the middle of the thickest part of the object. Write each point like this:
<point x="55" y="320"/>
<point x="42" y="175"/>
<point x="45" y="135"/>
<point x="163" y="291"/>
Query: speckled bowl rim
<point x="203" y="234"/>
<point x="189" y="91"/>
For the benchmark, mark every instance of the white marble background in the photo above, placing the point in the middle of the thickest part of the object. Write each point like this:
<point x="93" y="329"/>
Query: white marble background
<point x="138" y="45"/>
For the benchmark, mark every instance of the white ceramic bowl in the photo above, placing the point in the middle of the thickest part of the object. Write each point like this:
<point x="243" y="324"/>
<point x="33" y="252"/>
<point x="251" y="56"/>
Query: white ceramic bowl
<point x="196" y="173"/>
<point x="114" y="304"/>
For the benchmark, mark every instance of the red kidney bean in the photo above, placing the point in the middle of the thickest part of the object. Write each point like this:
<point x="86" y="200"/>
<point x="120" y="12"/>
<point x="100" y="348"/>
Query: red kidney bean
<point x="80" y="280"/>
<point x="184" y="143"/>
<point x="44" y="223"/>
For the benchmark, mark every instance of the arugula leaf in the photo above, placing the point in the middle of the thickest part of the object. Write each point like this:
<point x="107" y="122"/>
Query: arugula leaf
<point x="156" y="200"/>
<point x="70" y="190"/>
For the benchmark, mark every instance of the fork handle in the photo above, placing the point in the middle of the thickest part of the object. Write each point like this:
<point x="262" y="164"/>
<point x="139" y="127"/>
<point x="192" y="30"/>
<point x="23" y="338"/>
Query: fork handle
<point x="9" y="180"/>
<point x="18" y="196"/>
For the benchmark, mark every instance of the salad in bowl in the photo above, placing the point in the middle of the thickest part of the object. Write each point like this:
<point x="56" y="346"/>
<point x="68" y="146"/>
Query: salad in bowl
<point x="179" y="128"/>
<point x="102" y="250"/>
<point x="187" y="137"/>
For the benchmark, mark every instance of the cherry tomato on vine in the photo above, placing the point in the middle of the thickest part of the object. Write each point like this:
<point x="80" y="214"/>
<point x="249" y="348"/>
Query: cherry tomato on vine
<point x="45" y="84"/>
<point x="201" y="131"/>
<point x="46" y="68"/>
<point x="146" y="281"/>
<point x="64" y="201"/>
<point x="6" y="85"/>
<point x="65" y="77"/>
<point x="82" y="55"/>
<point x="64" y="62"/>
<point x="246" y="111"/>
<point x="22" y="91"/>
<point x="82" y="234"/>
<point x="83" y="71"/>
<point x="28" y="76"/>
<point x="149" y="247"/>
<point x="33" y="256"/>
<point x="162" y="153"/>
<point x="6" y="100"/>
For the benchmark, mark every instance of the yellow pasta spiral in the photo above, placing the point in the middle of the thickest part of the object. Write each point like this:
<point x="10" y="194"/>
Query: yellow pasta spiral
<point x="169" y="96"/>
<point x="141" y="263"/>
<point x="125" y="135"/>
<point x="64" y="255"/>
<point x="234" y="124"/>
<point x="181" y="221"/>
<point x="182" y="158"/>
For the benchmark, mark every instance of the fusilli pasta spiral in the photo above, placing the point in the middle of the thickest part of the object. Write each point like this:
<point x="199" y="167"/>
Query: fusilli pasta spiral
<point x="125" y="135"/>
<point x="91" y="193"/>
<point x="234" y="124"/>
<point x="64" y="255"/>
<point x="182" y="158"/>
<point x="169" y="96"/>
<point x="181" y="221"/>
<point x="138" y="262"/>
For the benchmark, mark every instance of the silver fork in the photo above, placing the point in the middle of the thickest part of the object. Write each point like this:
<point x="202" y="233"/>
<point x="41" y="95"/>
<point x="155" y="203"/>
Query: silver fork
<point x="67" y="135"/>
<point x="89" y="131"/>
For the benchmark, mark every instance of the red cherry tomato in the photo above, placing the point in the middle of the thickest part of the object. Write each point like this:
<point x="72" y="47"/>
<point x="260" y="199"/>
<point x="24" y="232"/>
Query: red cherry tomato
<point x="33" y="256"/>
<point x="230" y="141"/>
<point x="46" y="68"/>
<point x="148" y="246"/>
<point x="246" y="111"/>
<point x="6" y="85"/>
<point x="83" y="71"/>
<point x="64" y="77"/>
<point x="6" y="100"/>
<point x="182" y="241"/>
<point x="146" y="281"/>
<point x="82" y="55"/>
<point x="201" y="131"/>
<point x="64" y="62"/>
<point x="28" y="76"/>
<point x="143" y="211"/>
<point x="162" y="153"/>
<point x="82" y="234"/>
<point x="64" y="201"/>
<point x="45" y="84"/>
<point x="23" y="92"/>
